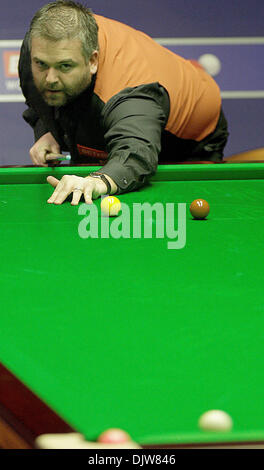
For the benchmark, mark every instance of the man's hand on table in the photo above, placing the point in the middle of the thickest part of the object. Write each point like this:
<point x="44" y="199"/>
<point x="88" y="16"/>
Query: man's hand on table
<point x="45" y="150"/>
<point x="91" y="188"/>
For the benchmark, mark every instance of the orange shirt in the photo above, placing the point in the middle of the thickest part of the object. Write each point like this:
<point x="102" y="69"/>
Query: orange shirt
<point x="129" y="58"/>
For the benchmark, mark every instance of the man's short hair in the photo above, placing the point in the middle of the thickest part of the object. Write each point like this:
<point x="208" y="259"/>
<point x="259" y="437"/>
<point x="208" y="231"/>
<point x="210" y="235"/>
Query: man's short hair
<point x="66" y="20"/>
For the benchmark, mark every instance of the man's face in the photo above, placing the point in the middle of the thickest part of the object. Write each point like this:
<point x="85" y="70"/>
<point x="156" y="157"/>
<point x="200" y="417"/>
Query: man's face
<point x="59" y="69"/>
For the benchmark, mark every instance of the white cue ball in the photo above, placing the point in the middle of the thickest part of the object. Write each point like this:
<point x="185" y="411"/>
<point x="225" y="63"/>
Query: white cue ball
<point x="210" y="63"/>
<point x="215" y="420"/>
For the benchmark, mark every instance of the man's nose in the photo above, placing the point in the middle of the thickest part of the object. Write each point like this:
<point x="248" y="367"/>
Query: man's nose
<point x="52" y="76"/>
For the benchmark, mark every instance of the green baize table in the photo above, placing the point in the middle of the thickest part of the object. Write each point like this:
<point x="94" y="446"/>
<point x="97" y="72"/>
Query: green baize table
<point x="100" y="332"/>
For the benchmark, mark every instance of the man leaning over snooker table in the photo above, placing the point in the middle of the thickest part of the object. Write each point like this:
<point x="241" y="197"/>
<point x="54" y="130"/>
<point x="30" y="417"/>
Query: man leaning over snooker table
<point x="109" y="94"/>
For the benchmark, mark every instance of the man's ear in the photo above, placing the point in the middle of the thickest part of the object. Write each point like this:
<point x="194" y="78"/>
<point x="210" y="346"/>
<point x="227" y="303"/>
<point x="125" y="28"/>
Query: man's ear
<point x="93" y="62"/>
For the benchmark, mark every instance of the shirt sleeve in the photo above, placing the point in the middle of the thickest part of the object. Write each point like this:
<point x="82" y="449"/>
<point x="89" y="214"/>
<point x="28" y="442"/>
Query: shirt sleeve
<point x="31" y="117"/>
<point x="133" y="122"/>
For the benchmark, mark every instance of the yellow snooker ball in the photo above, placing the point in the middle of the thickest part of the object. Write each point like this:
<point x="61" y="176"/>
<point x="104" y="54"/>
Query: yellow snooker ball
<point x="110" y="206"/>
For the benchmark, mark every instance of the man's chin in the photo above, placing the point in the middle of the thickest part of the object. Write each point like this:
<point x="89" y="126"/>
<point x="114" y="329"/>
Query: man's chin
<point x="54" y="99"/>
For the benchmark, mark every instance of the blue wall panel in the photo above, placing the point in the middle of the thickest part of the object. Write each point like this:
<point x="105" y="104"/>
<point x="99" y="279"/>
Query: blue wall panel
<point x="166" y="18"/>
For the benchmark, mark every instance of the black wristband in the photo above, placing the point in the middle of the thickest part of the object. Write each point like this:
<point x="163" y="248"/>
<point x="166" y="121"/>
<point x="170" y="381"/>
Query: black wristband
<point x="104" y="179"/>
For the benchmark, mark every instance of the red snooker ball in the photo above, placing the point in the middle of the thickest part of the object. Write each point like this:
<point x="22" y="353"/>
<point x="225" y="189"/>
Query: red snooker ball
<point x="199" y="209"/>
<point x="114" y="436"/>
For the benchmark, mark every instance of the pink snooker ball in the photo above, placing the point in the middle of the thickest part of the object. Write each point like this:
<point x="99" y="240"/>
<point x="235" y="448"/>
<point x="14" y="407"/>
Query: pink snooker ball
<point x="114" y="436"/>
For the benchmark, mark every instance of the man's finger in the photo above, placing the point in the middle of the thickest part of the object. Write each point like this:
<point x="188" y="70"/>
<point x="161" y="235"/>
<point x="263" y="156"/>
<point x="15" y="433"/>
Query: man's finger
<point x="55" y="194"/>
<point x="38" y="158"/>
<point x="61" y="192"/>
<point x="60" y="197"/>
<point x="88" y="197"/>
<point x="77" y="194"/>
<point x="53" y="181"/>
<point x="58" y="185"/>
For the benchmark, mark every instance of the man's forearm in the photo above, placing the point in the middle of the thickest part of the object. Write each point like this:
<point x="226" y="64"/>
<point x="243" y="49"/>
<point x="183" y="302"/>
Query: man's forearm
<point x="35" y="122"/>
<point x="129" y="171"/>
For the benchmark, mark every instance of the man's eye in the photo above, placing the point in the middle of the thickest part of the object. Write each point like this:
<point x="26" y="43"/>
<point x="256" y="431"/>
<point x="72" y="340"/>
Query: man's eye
<point x="40" y="64"/>
<point x="65" y="67"/>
